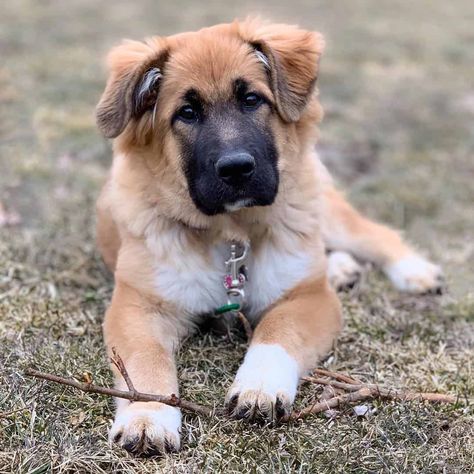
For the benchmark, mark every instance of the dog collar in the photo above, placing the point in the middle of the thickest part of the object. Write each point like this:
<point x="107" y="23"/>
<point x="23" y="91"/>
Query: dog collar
<point x="235" y="278"/>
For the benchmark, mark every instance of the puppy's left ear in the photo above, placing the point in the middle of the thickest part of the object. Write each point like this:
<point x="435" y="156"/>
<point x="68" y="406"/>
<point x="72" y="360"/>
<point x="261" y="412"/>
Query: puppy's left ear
<point x="292" y="56"/>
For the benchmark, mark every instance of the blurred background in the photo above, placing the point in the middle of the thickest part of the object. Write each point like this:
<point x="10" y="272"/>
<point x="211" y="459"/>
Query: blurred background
<point x="396" y="83"/>
<point x="397" y="86"/>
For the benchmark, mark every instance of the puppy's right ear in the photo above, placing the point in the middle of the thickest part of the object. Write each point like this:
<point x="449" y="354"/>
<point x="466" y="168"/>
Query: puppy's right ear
<point x="136" y="70"/>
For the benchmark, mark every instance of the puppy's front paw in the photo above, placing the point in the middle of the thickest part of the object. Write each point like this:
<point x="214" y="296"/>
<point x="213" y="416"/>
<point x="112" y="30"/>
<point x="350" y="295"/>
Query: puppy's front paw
<point x="414" y="274"/>
<point x="147" y="429"/>
<point x="265" y="384"/>
<point x="343" y="270"/>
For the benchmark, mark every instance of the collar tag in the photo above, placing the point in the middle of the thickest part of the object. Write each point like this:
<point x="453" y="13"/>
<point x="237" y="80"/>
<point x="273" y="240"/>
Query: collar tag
<point x="236" y="275"/>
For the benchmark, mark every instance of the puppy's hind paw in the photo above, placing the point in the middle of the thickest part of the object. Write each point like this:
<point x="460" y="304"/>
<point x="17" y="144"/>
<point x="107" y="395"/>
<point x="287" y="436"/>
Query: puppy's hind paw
<point x="414" y="274"/>
<point x="343" y="271"/>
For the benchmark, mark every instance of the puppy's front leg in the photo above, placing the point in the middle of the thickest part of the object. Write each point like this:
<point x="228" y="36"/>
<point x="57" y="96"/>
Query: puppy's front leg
<point x="289" y="340"/>
<point x="145" y="340"/>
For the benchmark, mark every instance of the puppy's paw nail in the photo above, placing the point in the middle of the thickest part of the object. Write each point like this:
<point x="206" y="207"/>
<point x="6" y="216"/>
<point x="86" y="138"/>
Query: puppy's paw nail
<point x="147" y="431"/>
<point x="282" y="409"/>
<point x="258" y="406"/>
<point x="414" y="274"/>
<point x="232" y="404"/>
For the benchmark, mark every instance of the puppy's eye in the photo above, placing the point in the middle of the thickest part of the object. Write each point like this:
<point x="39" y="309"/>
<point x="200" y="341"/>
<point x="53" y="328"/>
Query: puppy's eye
<point x="188" y="113"/>
<point x="251" y="100"/>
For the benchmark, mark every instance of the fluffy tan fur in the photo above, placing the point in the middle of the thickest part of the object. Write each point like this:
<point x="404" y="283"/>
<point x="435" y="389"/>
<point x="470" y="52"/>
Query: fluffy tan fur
<point x="147" y="221"/>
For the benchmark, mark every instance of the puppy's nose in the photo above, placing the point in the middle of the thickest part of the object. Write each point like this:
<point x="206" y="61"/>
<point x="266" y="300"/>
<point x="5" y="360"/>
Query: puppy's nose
<point x="235" y="167"/>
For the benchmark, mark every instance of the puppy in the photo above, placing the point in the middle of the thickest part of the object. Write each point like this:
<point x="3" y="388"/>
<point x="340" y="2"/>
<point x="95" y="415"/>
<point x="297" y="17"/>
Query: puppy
<point x="216" y="197"/>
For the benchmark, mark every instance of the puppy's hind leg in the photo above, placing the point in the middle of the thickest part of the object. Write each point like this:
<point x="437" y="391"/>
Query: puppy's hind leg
<point x="345" y="229"/>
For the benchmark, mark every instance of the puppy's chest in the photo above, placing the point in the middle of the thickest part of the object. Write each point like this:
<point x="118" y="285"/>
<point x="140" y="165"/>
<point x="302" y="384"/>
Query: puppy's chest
<point x="195" y="283"/>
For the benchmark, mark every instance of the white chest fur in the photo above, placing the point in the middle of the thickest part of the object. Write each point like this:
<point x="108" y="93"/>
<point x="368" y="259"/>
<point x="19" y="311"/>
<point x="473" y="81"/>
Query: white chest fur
<point x="194" y="281"/>
<point x="272" y="272"/>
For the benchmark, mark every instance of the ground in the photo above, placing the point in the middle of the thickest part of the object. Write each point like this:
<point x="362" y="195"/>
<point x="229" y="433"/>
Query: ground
<point x="397" y="87"/>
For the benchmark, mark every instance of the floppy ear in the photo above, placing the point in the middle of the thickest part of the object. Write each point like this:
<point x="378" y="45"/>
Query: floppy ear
<point x="292" y="56"/>
<point x="132" y="86"/>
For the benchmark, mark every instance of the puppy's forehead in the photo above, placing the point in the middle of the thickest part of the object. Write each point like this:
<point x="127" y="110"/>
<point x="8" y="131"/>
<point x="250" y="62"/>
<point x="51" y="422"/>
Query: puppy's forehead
<point x="210" y="62"/>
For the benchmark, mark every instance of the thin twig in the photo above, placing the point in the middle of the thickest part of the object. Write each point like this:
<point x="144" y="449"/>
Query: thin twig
<point x="336" y="375"/>
<point x="352" y="397"/>
<point x="6" y="414"/>
<point x="171" y="400"/>
<point x="348" y="387"/>
<point x="356" y="391"/>
<point x="245" y="323"/>
<point x="382" y="392"/>
<point x="118" y="362"/>
<point x="393" y="394"/>
<point x="365" y="392"/>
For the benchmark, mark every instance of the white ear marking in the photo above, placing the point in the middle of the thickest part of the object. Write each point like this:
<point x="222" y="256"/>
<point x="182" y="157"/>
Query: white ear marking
<point x="150" y="80"/>
<point x="263" y="59"/>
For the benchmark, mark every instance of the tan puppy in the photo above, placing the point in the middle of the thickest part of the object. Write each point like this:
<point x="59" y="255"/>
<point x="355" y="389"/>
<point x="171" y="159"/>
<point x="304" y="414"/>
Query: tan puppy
<point x="214" y="146"/>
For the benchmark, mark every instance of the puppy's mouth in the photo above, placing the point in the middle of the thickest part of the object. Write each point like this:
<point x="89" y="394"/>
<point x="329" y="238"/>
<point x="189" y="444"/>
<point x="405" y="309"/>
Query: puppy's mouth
<point x="239" y="204"/>
<point x="211" y="198"/>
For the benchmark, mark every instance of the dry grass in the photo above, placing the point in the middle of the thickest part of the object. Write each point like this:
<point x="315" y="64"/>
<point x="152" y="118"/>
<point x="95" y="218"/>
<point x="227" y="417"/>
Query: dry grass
<point x="397" y="88"/>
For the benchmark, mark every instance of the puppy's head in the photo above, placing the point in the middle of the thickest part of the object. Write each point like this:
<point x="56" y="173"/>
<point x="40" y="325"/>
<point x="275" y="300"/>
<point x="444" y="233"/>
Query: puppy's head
<point x="223" y="108"/>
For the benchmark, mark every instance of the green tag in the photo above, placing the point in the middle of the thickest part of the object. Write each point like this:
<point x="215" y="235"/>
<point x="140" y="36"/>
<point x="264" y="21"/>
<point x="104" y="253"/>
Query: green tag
<point x="226" y="308"/>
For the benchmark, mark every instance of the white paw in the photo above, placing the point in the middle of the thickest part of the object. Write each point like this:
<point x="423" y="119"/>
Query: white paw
<point x="415" y="274"/>
<point x="265" y="384"/>
<point x="146" y="428"/>
<point x="343" y="270"/>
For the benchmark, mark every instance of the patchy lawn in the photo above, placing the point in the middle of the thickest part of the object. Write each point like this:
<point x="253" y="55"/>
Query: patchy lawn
<point x="397" y="86"/>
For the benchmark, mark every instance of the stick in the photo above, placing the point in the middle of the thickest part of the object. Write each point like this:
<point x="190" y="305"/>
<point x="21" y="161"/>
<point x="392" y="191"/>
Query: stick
<point x="336" y="375"/>
<point x="381" y="392"/>
<point x="171" y="400"/>
<point x="348" y="387"/>
<point x="357" y="391"/>
<point x="118" y="362"/>
<point x="245" y="323"/>
<point x="362" y="394"/>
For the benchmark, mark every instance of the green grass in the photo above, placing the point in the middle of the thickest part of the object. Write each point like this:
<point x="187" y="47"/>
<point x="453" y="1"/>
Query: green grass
<point x="396" y="84"/>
